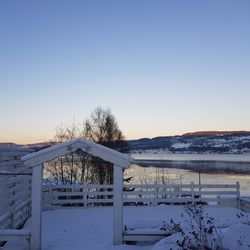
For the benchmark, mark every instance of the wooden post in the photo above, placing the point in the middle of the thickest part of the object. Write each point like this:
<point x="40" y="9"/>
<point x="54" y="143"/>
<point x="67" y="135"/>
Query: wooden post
<point x="192" y="192"/>
<point x="118" y="206"/>
<point x="238" y="194"/>
<point x="13" y="202"/>
<point x="155" y="194"/>
<point x="85" y="201"/>
<point x="50" y="199"/>
<point x="36" y="207"/>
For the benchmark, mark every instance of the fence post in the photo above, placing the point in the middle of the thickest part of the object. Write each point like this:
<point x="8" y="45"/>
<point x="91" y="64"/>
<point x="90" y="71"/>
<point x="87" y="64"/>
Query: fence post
<point x="12" y="204"/>
<point x="30" y="183"/>
<point x="50" y="197"/>
<point x="156" y="194"/>
<point x="238" y="193"/>
<point x="118" y="205"/>
<point x="192" y="192"/>
<point x="36" y="219"/>
<point x="85" y="202"/>
<point x="14" y="198"/>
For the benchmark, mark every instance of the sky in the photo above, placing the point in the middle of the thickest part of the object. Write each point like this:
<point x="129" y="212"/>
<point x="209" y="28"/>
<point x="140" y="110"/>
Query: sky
<point x="162" y="67"/>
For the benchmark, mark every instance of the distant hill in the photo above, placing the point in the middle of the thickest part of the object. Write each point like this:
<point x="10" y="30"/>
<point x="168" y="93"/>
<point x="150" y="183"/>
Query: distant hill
<point x="217" y="133"/>
<point x="231" y="142"/>
<point x="226" y="142"/>
<point x="8" y="144"/>
<point x="38" y="146"/>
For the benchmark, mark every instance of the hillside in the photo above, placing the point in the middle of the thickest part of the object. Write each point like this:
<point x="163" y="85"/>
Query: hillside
<point x="229" y="142"/>
<point x="216" y="133"/>
<point x="237" y="142"/>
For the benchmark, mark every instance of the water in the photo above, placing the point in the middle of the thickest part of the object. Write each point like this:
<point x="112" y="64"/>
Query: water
<point x="194" y="157"/>
<point x="217" y="170"/>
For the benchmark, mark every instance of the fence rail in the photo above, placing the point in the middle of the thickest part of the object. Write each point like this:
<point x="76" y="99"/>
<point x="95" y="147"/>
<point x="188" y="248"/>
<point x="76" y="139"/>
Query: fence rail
<point x="172" y="194"/>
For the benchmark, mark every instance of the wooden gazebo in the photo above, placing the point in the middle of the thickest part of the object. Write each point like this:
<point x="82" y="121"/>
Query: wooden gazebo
<point x="36" y="161"/>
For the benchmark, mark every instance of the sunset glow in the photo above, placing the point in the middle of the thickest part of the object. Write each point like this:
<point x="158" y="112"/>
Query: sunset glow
<point x="162" y="67"/>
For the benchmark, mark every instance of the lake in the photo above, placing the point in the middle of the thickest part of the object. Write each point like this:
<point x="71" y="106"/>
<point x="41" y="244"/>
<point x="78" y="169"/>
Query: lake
<point x="185" y="168"/>
<point x="193" y="157"/>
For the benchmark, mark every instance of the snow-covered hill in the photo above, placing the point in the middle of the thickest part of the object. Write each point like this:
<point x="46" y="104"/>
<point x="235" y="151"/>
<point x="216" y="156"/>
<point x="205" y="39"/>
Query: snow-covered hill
<point x="229" y="142"/>
<point x="233" y="143"/>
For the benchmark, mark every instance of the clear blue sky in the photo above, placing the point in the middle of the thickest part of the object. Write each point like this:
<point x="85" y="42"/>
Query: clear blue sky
<point x="163" y="67"/>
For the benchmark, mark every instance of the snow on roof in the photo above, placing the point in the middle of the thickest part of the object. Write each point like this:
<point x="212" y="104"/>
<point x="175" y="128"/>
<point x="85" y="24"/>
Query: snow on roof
<point x="90" y="147"/>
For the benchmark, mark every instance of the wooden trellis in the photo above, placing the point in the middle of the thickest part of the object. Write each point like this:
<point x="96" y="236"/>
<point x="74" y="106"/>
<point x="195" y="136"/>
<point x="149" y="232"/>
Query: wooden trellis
<point x="36" y="161"/>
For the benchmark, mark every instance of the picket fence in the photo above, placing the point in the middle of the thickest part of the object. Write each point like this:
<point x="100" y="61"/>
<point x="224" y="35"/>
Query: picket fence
<point x="141" y="194"/>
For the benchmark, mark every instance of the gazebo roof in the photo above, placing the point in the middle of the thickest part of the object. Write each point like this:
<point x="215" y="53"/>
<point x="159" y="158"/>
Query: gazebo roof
<point x="61" y="149"/>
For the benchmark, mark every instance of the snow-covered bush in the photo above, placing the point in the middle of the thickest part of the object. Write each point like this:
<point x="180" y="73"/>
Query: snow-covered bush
<point x="201" y="232"/>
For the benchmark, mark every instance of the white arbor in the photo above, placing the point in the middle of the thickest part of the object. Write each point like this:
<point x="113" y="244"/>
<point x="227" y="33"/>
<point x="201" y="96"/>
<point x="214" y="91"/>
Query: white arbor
<point x="36" y="161"/>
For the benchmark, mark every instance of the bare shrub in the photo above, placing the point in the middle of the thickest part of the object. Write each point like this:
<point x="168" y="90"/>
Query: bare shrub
<point x="202" y="233"/>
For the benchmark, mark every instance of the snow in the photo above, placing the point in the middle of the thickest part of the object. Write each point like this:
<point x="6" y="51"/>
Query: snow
<point x="148" y="226"/>
<point x="91" y="228"/>
<point x="146" y="223"/>
<point x="178" y="145"/>
<point x="84" y="144"/>
<point x="237" y="237"/>
<point x="246" y="199"/>
<point x="234" y="237"/>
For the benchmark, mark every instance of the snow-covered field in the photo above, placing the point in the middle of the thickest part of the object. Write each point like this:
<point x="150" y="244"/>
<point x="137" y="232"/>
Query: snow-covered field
<point x="91" y="228"/>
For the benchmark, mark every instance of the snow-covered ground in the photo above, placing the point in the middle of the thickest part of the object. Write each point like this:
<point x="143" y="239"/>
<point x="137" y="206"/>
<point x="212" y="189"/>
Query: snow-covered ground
<point x="91" y="228"/>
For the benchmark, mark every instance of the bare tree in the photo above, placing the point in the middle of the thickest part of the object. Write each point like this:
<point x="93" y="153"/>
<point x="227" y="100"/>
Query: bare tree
<point x="81" y="167"/>
<point x="103" y="129"/>
<point x="72" y="168"/>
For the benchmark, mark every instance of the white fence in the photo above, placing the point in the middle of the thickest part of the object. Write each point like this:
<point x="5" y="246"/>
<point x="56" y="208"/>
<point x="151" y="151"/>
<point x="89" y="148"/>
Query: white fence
<point x="15" y="195"/>
<point x="15" y="190"/>
<point x="170" y="194"/>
